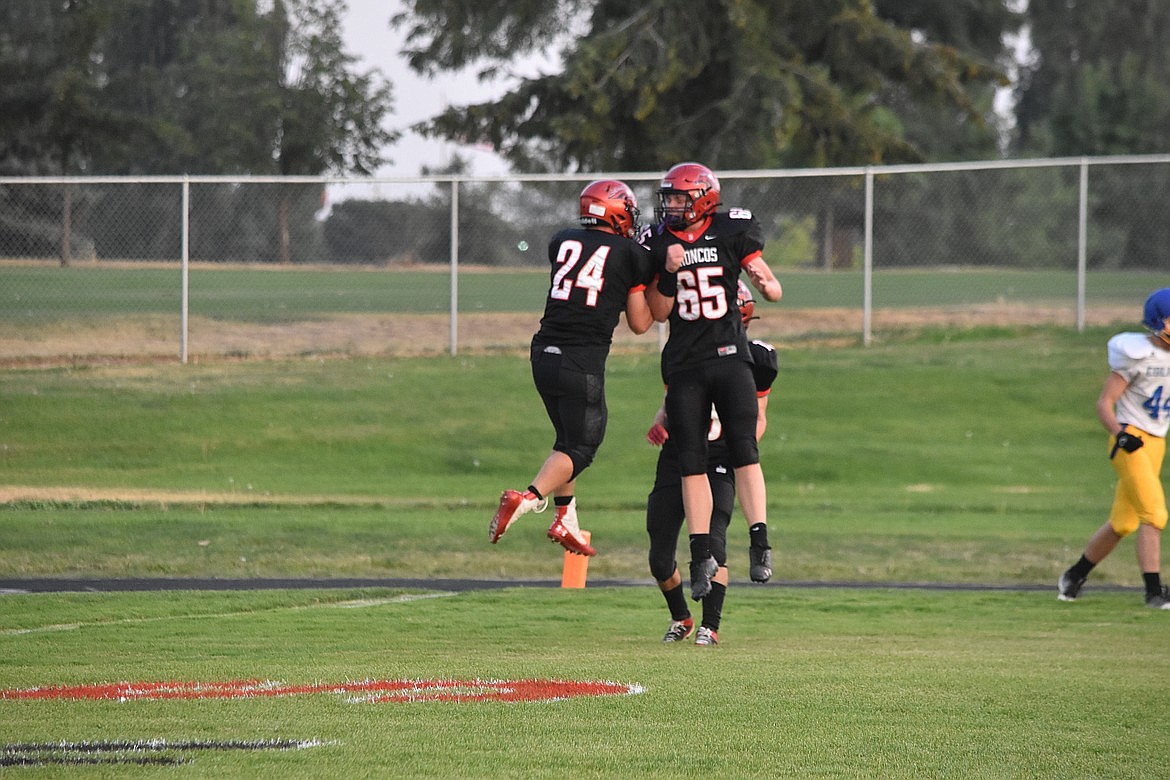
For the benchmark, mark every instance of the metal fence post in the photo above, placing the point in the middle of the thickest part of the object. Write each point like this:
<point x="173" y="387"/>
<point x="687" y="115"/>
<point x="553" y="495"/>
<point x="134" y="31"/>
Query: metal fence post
<point x="867" y="283"/>
<point x="454" y="267"/>
<point x="1082" y="241"/>
<point x="185" y="268"/>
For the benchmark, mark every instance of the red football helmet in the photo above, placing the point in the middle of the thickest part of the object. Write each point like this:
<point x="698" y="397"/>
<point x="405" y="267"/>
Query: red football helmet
<point x="612" y="204"/>
<point x="698" y="184"/>
<point x="745" y="302"/>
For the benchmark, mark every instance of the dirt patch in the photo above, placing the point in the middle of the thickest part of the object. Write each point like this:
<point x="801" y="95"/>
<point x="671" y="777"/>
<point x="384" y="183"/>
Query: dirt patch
<point x="150" y="339"/>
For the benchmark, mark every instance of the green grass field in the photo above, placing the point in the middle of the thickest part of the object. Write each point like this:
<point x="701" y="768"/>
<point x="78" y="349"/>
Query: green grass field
<point x="923" y="497"/>
<point x="807" y="683"/>
<point x="31" y="294"/>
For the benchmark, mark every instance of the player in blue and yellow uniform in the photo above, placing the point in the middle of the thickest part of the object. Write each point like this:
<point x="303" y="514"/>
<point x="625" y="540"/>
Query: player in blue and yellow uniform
<point x="1134" y="408"/>
<point x="597" y="272"/>
<point x="699" y="254"/>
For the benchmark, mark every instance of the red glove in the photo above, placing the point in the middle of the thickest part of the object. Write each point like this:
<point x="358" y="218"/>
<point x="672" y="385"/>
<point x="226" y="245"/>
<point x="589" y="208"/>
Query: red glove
<point x="657" y="435"/>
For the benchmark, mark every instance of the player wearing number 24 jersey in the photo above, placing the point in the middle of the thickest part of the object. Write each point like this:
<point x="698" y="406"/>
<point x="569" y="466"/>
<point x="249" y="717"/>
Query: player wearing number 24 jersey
<point x="592" y="275"/>
<point x="597" y="272"/>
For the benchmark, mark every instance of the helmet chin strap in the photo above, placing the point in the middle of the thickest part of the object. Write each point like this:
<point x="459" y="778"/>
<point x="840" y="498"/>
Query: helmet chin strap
<point x="1162" y="335"/>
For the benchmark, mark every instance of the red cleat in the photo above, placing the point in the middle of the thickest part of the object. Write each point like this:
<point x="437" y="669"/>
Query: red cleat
<point x="566" y="532"/>
<point x="513" y="503"/>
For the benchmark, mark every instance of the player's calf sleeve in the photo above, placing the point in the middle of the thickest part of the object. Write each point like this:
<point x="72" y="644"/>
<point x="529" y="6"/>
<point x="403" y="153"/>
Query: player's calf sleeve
<point x="700" y="547"/>
<point x="713" y="606"/>
<point x="676" y="602"/>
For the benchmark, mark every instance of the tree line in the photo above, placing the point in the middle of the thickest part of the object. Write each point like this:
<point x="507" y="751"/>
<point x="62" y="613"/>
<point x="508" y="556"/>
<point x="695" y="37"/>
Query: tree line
<point x="126" y="87"/>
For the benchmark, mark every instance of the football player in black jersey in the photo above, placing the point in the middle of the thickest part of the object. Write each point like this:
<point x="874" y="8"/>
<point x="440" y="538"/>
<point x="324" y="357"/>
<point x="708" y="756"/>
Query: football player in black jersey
<point x="598" y="271"/>
<point x="664" y="508"/>
<point x="699" y="254"/>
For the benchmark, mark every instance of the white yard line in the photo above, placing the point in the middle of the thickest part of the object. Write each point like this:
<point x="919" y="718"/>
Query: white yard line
<point x="352" y="604"/>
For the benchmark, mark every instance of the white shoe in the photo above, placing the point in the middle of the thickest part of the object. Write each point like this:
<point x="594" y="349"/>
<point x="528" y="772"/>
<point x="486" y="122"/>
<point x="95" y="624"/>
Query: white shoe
<point x="706" y="637"/>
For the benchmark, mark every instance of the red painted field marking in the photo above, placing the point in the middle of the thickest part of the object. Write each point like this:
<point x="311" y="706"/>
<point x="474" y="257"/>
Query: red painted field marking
<point x="375" y="691"/>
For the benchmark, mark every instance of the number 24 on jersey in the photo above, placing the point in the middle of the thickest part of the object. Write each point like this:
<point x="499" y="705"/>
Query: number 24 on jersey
<point x="590" y="277"/>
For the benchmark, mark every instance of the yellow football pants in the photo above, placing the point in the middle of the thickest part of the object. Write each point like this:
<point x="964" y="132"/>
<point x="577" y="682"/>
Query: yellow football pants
<point x="1139" y="497"/>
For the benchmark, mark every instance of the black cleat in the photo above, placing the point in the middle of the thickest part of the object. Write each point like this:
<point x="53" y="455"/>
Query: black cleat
<point x="701" y="574"/>
<point x="1067" y="588"/>
<point x="761" y="563"/>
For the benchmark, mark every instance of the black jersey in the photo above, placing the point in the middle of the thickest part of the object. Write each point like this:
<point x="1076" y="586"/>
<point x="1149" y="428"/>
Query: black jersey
<point x="705" y="323"/>
<point x="592" y="274"/>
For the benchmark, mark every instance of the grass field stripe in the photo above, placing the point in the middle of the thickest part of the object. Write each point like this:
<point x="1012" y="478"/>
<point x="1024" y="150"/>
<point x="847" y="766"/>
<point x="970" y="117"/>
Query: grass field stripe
<point x="44" y="629"/>
<point x="405" y="598"/>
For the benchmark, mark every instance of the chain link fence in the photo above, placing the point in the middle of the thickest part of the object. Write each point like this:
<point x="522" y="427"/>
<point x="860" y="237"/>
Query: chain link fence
<point x="191" y="267"/>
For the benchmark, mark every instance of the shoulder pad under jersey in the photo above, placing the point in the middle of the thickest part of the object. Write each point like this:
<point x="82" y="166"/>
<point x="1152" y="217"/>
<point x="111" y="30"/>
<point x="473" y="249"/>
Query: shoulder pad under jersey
<point x="761" y="347"/>
<point x="765" y="365"/>
<point x="734" y="221"/>
<point x="1127" y="348"/>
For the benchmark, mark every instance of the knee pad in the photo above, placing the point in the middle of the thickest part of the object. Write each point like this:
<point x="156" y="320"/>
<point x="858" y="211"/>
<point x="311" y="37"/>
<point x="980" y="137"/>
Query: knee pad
<point x="1158" y="520"/>
<point x="664" y="519"/>
<point x="1126" y="522"/>
<point x="581" y="455"/>
<point x="1123" y="526"/>
<point x="662" y="564"/>
<point x="743" y="451"/>
<point x="692" y="463"/>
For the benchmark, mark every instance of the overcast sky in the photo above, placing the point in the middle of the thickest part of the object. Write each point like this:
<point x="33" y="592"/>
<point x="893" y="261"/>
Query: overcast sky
<point x="368" y="35"/>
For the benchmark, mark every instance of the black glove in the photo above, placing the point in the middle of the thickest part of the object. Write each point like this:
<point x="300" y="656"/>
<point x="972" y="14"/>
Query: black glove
<point x="1126" y="441"/>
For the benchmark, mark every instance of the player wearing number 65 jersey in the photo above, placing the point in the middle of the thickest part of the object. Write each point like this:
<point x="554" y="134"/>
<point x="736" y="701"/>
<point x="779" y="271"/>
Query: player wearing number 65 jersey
<point x="699" y="254"/>
<point x="665" y="513"/>
<point x="598" y="271"/>
<point x="1134" y="408"/>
